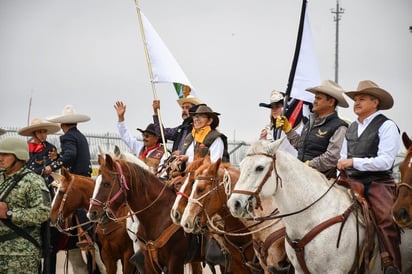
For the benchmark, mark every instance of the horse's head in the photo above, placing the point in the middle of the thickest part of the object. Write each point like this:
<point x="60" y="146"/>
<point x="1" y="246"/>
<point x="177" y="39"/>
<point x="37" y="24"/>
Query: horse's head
<point x="209" y="194"/>
<point x="73" y="192"/>
<point x="402" y="208"/>
<point x="184" y="191"/>
<point x="110" y="188"/>
<point x="256" y="169"/>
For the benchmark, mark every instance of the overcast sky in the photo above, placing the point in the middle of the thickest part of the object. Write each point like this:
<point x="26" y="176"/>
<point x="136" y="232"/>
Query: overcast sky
<point x="89" y="53"/>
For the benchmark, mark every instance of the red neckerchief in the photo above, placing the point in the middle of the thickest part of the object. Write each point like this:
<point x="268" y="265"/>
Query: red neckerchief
<point x="143" y="155"/>
<point x="36" y="148"/>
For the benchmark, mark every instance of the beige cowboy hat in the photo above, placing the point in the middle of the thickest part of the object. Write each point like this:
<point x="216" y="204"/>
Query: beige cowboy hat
<point x="38" y="124"/>
<point x="2" y="131"/>
<point x="369" y="87"/>
<point x="204" y="109"/>
<point x="332" y="89"/>
<point x="275" y="97"/>
<point x="69" y="116"/>
<point x="189" y="99"/>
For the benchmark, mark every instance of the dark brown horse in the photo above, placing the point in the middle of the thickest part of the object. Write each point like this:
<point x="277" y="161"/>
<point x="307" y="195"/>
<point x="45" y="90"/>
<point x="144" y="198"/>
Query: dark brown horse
<point x="165" y="245"/>
<point x="402" y="208"/>
<point x="208" y="201"/>
<point x="74" y="191"/>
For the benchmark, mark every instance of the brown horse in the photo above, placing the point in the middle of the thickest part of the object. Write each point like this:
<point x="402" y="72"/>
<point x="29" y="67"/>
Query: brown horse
<point x="150" y="199"/>
<point x="402" y="208"/>
<point x="74" y="191"/>
<point x="207" y="201"/>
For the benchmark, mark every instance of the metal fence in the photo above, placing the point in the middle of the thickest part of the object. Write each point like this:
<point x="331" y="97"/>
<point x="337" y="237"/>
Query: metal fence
<point x="107" y="142"/>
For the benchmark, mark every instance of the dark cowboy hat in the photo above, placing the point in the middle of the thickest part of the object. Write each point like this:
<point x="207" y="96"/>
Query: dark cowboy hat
<point x="370" y="88"/>
<point x="204" y="109"/>
<point x="149" y="129"/>
<point x="275" y="97"/>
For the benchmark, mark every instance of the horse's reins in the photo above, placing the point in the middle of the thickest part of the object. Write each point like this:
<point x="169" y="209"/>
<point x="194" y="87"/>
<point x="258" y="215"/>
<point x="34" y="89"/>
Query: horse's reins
<point x="398" y="186"/>
<point x="122" y="190"/>
<point x="60" y="214"/>
<point x="299" y="245"/>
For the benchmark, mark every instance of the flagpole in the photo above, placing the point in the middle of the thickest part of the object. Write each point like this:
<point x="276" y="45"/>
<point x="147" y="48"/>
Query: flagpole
<point x="295" y="61"/>
<point x="149" y="66"/>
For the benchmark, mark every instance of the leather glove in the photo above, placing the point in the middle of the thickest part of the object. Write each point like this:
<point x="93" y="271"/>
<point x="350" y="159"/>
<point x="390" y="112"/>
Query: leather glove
<point x="282" y="122"/>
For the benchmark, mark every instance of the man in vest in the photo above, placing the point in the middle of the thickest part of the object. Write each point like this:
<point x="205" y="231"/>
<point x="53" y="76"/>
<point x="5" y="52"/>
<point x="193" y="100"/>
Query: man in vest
<point x="150" y="150"/>
<point x="320" y="141"/>
<point x="368" y="154"/>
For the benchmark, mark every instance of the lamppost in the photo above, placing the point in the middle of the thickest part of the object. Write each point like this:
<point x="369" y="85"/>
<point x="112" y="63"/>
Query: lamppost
<point x="337" y="17"/>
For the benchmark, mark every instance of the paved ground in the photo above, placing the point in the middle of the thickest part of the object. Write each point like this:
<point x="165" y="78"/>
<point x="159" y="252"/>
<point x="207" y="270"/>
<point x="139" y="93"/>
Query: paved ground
<point x="61" y="260"/>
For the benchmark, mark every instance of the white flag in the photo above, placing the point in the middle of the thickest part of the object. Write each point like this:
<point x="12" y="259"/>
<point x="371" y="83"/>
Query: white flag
<point x="307" y="70"/>
<point x="165" y="68"/>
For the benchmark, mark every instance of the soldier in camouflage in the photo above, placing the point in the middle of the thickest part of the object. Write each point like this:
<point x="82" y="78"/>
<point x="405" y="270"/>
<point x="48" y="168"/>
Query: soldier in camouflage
<point x="27" y="206"/>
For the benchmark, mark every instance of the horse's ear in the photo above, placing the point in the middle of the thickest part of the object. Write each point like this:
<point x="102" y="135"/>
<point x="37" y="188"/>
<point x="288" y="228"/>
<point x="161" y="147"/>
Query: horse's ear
<point x="207" y="158"/>
<point x="100" y="159"/>
<point x="109" y="163"/>
<point x="215" y="166"/>
<point x="274" y="146"/>
<point x="117" y="151"/>
<point x="66" y="174"/>
<point x="406" y="140"/>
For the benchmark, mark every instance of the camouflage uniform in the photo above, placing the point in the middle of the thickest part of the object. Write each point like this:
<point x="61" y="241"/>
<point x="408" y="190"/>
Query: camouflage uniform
<point x="30" y="202"/>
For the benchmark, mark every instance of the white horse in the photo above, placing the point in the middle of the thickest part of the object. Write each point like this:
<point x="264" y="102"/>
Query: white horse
<point x="307" y="199"/>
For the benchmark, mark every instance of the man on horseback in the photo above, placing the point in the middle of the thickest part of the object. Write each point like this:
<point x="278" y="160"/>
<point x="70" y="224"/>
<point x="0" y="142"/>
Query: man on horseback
<point x="205" y="137"/>
<point x="150" y="150"/>
<point x="179" y="133"/>
<point x="322" y="136"/>
<point x="75" y="156"/>
<point x="368" y="154"/>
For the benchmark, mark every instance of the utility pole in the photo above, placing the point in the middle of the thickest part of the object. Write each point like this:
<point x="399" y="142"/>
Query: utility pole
<point x="337" y="17"/>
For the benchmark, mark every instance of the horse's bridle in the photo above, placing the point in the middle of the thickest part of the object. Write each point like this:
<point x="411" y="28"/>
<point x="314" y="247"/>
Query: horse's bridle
<point x="111" y="198"/>
<point x="255" y="193"/>
<point x="60" y="213"/>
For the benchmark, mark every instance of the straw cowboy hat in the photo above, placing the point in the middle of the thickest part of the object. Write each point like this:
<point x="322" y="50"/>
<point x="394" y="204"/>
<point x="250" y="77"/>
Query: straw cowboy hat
<point x="275" y="97"/>
<point x="332" y="89"/>
<point x="204" y="109"/>
<point x="69" y="116"/>
<point x="370" y="88"/>
<point x="2" y="131"/>
<point x="189" y="99"/>
<point x="38" y="124"/>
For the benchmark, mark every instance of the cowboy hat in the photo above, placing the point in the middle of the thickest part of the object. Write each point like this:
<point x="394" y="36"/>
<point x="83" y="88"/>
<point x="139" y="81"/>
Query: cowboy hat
<point x="149" y="129"/>
<point x="2" y="131"/>
<point x="189" y="99"/>
<point x="204" y="109"/>
<point x="275" y="97"/>
<point x="332" y="89"/>
<point x="69" y="116"/>
<point x="370" y="88"/>
<point x="38" y="124"/>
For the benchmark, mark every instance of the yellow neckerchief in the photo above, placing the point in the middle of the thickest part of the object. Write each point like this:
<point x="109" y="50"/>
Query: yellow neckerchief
<point x="200" y="134"/>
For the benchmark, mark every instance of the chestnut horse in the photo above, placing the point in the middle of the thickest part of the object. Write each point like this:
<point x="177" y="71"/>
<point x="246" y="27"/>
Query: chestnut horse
<point x="165" y="246"/>
<point x="402" y="208"/>
<point x="207" y="201"/>
<point x="74" y="191"/>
